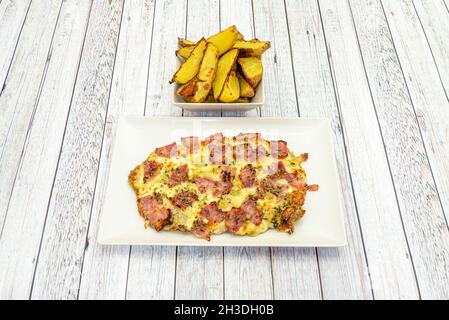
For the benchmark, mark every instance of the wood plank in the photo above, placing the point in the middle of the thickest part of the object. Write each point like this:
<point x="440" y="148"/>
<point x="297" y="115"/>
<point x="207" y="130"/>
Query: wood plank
<point x="152" y="272"/>
<point x="199" y="270"/>
<point x="296" y="274"/>
<point x="428" y="98"/>
<point x="152" y="269"/>
<point x="21" y="91"/>
<point x="410" y="169"/>
<point x="391" y="271"/>
<point x="199" y="273"/>
<point x="169" y="24"/>
<point x="58" y="270"/>
<point x="247" y="272"/>
<point x="197" y="27"/>
<point x="19" y="242"/>
<point x="343" y="268"/>
<point x="271" y="24"/>
<point x="279" y="83"/>
<point x="242" y="281"/>
<point x="434" y="19"/>
<point x="12" y="18"/>
<point x="105" y="268"/>
<point x="429" y="238"/>
<point x="240" y="14"/>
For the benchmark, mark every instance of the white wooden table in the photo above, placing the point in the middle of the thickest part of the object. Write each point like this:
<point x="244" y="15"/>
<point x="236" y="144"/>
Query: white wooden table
<point x="378" y="69"/>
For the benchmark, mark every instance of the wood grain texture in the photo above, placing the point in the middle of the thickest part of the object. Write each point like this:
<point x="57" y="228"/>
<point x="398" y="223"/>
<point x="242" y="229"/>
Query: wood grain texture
<point x="296" y="274"/>
<point x="105" y="268"/>
<point x="390" y="268"/>
<point x="247" y="272"/>
<point x="199" y="273"/>
<point x="203" y="20"/>
<point x="240" y="14"/>
<point x="169" y="24"/>
<point x="151" y="271"/>
<point x="280" y="96"/>
<point x="411" y="172"/>
<point x="428" y="98"/>
<point x="344" y="271"/>
<point x="58" y="270"/>
<point x="12" y="18"/>
<point x="378" y="69"/>
<point x="21" y="91"/>
<point x="434" y="19"/>
<point x="271" y="23"/>
<point x="19" y="242"/>
<point x="429" y="237"/>
<point x="199" y="270"/>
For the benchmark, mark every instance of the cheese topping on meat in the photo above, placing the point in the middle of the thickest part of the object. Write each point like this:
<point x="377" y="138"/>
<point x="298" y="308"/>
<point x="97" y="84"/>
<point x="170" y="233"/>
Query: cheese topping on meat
<point x="244" y="185"/>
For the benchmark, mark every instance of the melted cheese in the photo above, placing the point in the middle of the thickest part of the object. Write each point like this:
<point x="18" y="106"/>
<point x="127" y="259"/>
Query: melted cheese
<point x="184" y="220"/>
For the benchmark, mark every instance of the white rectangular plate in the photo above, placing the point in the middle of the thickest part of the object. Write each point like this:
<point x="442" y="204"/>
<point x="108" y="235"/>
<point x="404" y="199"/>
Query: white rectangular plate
<point x="137" y="136"/>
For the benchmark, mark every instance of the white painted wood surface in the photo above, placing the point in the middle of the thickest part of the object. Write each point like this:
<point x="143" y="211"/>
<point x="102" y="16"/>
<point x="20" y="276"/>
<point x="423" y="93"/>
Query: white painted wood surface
<point x="378" y="69"/>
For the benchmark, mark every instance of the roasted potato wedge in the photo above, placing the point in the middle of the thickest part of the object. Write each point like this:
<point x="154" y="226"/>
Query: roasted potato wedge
<point x="242" y="100"/>
<point x="209" y="63"/>
<point x="239" y="36"/>
<point x="225" y="39"/>
<point x="185" y="52"/>
<point x="252" y="69"/>
<point x="190" y="67"/>
<point x="224" y="67"/>
<point x="231" y="90"/>
<point x="206" y="74"/>
<point x="185" y="43"/>
<point x="188" y="89"/>
<point x="246" y="91"/>
<point x="202" y="89"/>
<point x="252" y="48"/>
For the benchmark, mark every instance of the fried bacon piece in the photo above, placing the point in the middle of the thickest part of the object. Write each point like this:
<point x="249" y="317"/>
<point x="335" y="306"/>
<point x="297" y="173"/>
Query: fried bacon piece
<point x="168" y="151"/>
<point x="248" y="176"/>
<point x="254" y="214"/>
<point x="151" y="208"/>
<point x="191" y="144"/>
<point x="234" y="220"/>
<point x="204" y="184"/>
<point x="184" y="199"/>
<point x="214" y="138"/>
<point x="201" y="232"/>
<point x="278" y="149"/>
<point x="217" y="153"/>
<point x="178" y="175"/>
<point x="277" y="170"/>
<point x="212" y="213"/>
<point x="244" y="152"/>
<point x="288" y="218"/>
<point x="150" y="169"/>
<point x="295" y="180"/>
<point x="218" y="188"/>
<point x="312" y="187"/>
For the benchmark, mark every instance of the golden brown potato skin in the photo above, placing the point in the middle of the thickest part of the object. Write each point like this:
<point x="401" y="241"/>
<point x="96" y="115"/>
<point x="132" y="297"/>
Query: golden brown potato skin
<point x="252" y="69"/>
<point x="231" y="90"/>
<point x="190" y="67"/>
<point x="224" y="67"/>
<point x="252" y="48"/>
<point x="205" y="74"/>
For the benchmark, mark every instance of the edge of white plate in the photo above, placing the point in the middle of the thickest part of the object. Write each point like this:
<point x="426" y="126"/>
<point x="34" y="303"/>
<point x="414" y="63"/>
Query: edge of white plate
<point x="335" y="244"/>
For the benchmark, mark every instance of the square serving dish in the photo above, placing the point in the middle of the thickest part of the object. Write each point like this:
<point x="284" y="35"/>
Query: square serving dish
<point x="137" y="136"/>
<point x="257" y="101"/>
